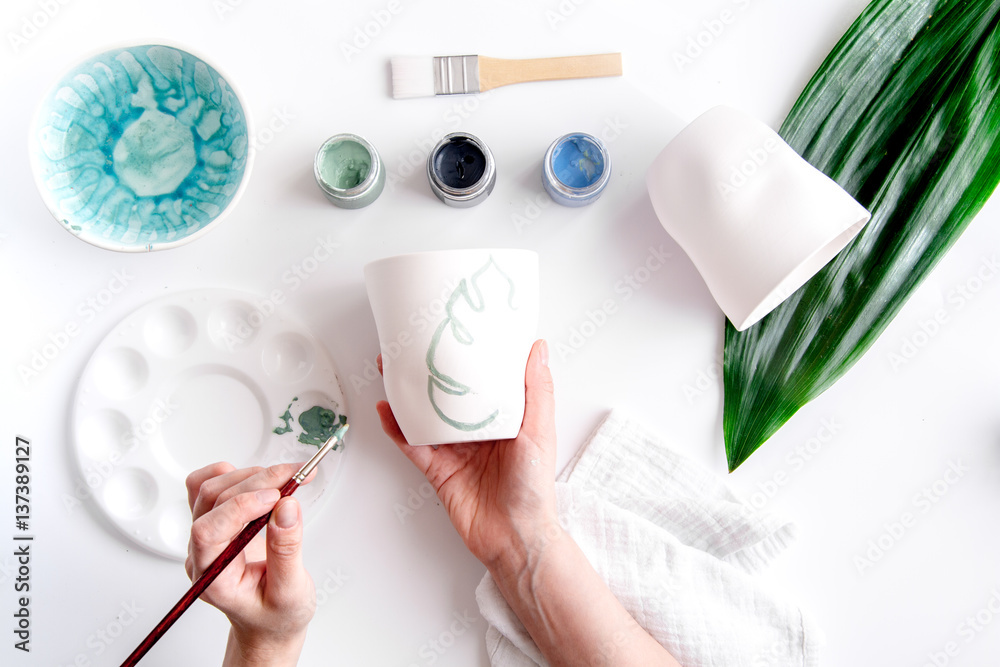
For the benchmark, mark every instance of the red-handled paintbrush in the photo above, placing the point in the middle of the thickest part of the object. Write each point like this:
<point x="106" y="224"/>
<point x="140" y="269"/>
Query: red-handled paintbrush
<point x="230" y="552"/>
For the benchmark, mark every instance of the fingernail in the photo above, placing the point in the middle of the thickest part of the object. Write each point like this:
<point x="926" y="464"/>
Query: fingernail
<point x="287" y="515"/>
<point x="268" y="496"/>
<point x="543" y="351"/>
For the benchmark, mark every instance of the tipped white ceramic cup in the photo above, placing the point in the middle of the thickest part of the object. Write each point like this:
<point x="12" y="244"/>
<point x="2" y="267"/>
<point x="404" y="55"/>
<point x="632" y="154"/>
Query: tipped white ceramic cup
<point x="755" y="218"/>
<point x="455" y="329"/>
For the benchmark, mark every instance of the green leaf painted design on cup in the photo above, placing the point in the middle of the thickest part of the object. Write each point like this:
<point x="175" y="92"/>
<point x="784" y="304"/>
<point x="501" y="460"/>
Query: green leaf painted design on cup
<point x="488" y="290"/>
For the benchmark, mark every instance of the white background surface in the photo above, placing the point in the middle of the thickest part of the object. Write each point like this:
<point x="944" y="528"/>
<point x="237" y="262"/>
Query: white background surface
<point x="398" y="584"/>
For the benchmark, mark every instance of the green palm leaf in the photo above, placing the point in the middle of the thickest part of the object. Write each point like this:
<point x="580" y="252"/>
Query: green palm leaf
<point x="905" y="115"/>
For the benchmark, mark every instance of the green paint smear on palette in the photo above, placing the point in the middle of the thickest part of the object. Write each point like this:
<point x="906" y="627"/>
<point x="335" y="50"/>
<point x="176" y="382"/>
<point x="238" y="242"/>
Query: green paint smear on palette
<point x="318" y="424"/>
<point x="287" y="418"/>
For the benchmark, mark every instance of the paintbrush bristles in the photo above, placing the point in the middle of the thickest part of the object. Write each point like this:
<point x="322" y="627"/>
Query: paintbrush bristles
<point x="412" y="76"/>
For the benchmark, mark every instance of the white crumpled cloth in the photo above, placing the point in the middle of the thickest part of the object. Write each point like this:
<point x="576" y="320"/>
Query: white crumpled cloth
<point x="677" y="549"/>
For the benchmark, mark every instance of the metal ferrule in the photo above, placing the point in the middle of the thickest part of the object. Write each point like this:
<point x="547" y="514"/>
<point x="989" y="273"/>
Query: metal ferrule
<point x="456" y="75"/>
<point x="328" y="446"/>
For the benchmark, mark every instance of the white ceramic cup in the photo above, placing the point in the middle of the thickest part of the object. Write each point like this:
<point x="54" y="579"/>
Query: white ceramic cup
<point x="455" y="328"/>
<point x="755" y="218"/>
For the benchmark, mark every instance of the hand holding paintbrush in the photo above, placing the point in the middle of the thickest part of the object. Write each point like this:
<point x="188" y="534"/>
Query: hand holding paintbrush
<point x="269" y="614"/>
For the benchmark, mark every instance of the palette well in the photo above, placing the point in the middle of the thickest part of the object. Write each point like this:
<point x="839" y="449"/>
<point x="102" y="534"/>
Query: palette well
<point x="188" y="380"/>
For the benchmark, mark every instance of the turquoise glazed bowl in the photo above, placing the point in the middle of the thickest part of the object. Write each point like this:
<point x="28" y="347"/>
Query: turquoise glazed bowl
<point x="141" y="148"/>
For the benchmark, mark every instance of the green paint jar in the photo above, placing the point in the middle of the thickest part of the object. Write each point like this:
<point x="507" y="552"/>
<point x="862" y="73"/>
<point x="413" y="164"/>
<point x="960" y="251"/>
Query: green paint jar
<point x="349" y="171"/>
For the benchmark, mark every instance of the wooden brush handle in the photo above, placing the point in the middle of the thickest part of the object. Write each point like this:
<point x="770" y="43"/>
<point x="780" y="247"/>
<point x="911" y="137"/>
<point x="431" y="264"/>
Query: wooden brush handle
<point x="496" y="72"/>
<point x="206" y="579"/>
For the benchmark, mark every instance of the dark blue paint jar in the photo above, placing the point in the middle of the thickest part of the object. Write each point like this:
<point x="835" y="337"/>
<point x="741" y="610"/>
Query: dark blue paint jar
<point x="461" y="170"/>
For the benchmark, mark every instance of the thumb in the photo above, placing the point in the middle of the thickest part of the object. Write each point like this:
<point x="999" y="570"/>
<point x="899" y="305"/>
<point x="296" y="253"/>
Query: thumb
<point x="284" y="551"/>
<point x="539" y="397"/>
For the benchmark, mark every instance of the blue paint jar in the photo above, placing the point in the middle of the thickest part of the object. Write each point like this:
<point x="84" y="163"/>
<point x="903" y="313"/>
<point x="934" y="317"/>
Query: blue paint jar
<point x="576" y="169"/>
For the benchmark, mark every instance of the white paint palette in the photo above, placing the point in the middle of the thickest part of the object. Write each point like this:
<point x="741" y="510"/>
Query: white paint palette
<point x="188" y="380"/>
